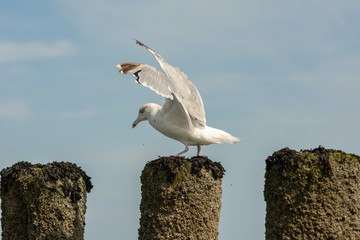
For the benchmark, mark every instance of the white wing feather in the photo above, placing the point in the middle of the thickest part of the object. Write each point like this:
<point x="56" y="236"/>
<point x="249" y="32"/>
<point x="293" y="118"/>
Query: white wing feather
<point x="149" y="77"/>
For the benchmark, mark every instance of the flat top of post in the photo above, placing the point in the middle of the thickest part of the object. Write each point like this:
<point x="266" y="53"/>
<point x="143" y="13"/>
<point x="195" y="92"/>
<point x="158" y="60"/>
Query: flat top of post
<point x="286" y="154"/>
<point x="171" y="163"/>
<point x="50" y="171"/>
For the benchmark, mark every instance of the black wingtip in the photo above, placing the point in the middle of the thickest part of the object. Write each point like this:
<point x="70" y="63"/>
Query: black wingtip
<point x="136" y="40"/>
<point x="136" y="74"/>
<point x="140" y="43"/>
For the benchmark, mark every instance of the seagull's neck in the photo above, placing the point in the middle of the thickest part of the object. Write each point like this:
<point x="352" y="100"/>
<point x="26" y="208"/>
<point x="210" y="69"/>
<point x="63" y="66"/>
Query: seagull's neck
<point x="154" y="116"/>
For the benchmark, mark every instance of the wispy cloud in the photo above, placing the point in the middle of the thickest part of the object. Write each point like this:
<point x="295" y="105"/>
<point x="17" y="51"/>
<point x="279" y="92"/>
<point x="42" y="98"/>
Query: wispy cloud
<point x="16" y="110"/>
<point x="19" y="51"/>
<point x="78" y="114"/>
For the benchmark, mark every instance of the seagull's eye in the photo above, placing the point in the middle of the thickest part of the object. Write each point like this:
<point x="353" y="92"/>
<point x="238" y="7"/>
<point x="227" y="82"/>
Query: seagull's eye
<point x="142" y="110"/>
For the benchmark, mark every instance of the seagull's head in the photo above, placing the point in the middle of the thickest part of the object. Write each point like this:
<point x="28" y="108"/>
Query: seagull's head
<point x="145" y="111"/>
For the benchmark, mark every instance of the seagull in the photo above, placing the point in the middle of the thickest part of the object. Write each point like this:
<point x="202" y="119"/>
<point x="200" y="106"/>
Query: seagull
<point x="182" y="115"/>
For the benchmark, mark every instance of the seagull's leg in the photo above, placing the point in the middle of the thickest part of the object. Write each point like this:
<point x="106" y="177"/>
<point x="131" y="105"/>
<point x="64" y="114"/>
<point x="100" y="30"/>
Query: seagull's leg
<point x="186" y="149"/>
<point x="198" y="150"/>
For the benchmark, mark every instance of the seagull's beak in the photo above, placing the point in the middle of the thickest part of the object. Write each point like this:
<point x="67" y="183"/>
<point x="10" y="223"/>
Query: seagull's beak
<point x="135" y="122"/>
<point x="141" y="117"/>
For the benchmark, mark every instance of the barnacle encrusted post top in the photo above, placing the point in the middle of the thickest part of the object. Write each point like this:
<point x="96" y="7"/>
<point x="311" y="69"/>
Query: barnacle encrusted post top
<point x="312" y="194"/>
<point x="43" y="201"/>
<point x="181" y="198"/>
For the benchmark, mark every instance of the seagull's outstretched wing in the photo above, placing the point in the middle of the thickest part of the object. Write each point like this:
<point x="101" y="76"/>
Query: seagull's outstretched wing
<point x="149" y="77"/>
<point x="183" y="88"/>
<point x="173" y="109"/>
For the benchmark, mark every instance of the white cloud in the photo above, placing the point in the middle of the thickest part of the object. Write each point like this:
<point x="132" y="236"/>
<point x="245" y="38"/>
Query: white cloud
<point x="19" y="51"/>
<point x="78" y="114"/>
<point x="17" y="110"/>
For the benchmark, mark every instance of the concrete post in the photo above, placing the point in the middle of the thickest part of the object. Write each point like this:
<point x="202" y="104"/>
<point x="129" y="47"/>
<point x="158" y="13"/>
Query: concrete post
<point x="43" y="201"/>
<point x="312" y="194"/>
<point x="181" y="199"/>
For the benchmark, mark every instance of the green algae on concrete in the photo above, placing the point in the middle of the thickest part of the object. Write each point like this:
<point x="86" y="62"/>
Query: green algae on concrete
<point x="43" y="201"/>
<point x="312" y="194"/>
<point x="181" y="198"/>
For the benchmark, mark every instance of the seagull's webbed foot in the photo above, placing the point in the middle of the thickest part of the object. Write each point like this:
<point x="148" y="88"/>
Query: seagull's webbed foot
<point x="186" y="149"/>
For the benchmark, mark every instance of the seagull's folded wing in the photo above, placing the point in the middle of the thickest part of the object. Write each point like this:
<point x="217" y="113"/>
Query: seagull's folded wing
<point x="173" y="111"/>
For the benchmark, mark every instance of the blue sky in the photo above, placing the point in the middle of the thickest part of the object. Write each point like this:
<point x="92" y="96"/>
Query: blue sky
<point x="275" y="73"/>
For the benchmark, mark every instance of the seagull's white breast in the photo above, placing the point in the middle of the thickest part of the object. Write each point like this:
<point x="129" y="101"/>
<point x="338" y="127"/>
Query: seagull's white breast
<point x="169" y="129"/>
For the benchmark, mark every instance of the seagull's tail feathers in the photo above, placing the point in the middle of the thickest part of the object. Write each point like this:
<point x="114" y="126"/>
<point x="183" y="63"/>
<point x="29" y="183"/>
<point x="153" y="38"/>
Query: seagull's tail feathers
<point x="229" y="138"/>
<point x="219" y="136"/>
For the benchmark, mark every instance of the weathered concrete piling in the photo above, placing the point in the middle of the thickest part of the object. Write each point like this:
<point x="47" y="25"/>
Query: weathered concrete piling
<point x="181" y="199"/>
<point x="312" y="194"/>
<point x="43" y="201"/>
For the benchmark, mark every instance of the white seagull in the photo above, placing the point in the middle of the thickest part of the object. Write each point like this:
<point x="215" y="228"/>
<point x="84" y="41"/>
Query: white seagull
<point x="182" y="116"/>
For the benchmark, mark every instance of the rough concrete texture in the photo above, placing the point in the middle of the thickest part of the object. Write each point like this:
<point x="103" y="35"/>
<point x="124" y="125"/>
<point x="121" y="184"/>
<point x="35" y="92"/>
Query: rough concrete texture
<point x="43" y="201"/>
<point x="312" y="194"/>
<point x="181" y="199"/>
